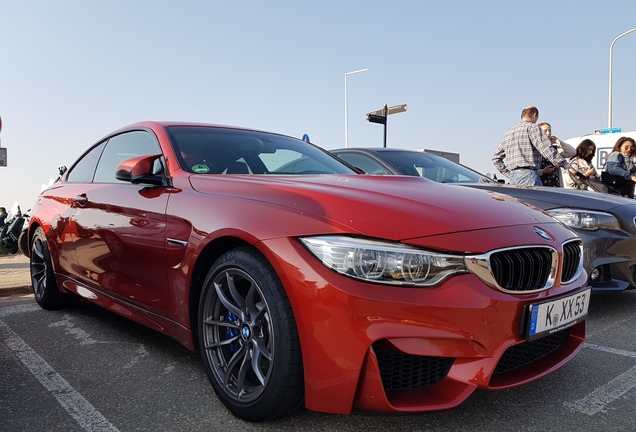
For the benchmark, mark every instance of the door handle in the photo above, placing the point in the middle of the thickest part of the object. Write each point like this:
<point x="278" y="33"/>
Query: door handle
<point x="80" y="200"/>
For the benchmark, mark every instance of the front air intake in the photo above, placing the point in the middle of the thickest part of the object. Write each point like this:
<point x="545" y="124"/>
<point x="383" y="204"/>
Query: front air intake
<point x="400" y="371"/>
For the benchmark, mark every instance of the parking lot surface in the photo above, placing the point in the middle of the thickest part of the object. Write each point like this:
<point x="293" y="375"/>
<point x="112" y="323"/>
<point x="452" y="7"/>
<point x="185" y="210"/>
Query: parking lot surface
<point x="86" y="369"/>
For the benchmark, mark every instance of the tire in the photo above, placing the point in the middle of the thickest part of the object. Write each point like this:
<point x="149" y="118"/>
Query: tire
<point x="13" y="248"/>
<point x="23" y="243"/>
<point x="248" y="338"/>
<point x="43" y="281"/>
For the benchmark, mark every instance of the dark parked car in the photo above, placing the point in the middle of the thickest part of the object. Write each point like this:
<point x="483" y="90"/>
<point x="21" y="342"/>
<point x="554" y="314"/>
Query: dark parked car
<point x="606" y="223"/>
<point x="295" y="284"/>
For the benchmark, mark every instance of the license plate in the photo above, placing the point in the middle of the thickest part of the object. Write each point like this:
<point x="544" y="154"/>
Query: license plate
<point x="556" y="315"/>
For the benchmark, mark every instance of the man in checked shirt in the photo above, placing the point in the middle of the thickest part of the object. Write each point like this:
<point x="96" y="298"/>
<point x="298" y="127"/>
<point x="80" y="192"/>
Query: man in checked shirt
<point x="522" y="147"/>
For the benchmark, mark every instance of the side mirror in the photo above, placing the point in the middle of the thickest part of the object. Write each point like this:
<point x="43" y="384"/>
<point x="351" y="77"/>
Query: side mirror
<point x="140" y="169"/>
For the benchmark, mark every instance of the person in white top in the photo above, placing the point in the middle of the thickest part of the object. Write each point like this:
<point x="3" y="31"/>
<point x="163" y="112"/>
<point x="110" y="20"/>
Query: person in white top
<point x="582" y="163"/>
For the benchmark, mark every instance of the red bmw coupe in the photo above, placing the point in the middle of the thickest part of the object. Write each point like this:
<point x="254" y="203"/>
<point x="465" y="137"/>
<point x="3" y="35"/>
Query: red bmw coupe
<point x="324" y="289"/>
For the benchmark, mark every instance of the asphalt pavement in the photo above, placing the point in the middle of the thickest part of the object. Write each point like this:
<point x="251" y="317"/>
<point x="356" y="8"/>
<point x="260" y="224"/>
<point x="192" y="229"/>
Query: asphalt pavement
<point x="15" y="276"/>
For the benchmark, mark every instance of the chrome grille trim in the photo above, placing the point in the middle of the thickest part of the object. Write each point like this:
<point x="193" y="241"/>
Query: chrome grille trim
<point x="572" y="261"/>
<point x="524" y="269"/>
<point x="519" y="259"/>
<point x="527" y="269"/>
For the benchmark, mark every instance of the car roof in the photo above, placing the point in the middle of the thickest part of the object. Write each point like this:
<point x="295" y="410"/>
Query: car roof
<point x="164" y="123"/>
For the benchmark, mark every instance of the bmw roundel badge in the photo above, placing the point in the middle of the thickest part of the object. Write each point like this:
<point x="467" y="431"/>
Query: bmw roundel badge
<point x="543" y="234"/>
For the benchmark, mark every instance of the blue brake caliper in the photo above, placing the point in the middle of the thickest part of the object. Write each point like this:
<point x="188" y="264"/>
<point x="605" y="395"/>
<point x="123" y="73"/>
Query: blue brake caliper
<point x="231" y="333"/>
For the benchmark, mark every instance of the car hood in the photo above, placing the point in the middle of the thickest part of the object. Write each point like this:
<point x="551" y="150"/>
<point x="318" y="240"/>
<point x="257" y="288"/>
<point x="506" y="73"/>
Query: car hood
<point x="547" y="198"/>
<point x="397" y="207"/>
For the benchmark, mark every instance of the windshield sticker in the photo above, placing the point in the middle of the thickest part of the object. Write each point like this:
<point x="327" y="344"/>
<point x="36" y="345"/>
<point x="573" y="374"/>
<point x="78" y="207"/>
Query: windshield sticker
<point x="200" y="169"/>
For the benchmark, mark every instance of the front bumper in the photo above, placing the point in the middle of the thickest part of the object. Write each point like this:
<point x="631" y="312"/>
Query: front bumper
<point x="609" y="260"/>
<point x="359" y="339"/>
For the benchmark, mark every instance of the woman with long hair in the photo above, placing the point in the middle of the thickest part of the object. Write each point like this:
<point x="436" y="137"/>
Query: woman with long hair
<point x="582" y="163"/>
<point x="619" y="168"/>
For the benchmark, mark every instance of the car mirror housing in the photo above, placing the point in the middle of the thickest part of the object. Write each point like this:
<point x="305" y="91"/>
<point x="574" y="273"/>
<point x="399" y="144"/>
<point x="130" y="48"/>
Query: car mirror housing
<point x="140" y="169"/>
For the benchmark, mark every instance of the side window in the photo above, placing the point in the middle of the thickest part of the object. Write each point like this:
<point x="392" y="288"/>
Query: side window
<point x="83" y="170"/>
<point x="120" y="148"/>
<point x="365" y="163"/>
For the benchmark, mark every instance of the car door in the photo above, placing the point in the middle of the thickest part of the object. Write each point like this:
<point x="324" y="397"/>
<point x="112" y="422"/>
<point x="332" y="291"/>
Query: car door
<point x="123" y="226"/>
<point x="63" y="227"/>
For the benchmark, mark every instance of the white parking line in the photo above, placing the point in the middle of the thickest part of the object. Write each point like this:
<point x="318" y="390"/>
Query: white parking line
<point x="598" y="400"/>
<point x="611" y="350"/>
<point x="74" y="403"/>
<point x="17" y="309"/>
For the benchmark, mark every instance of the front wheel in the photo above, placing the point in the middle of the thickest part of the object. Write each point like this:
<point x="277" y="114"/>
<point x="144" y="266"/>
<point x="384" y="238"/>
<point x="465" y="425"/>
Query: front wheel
<point x="248" y="338"/>
<point x="42" y="277"/>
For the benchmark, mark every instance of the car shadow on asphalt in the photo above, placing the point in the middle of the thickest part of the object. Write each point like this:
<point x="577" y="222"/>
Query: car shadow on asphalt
<point x="612" y="303"/>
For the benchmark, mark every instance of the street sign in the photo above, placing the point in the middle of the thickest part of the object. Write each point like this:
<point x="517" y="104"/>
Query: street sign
<point x="390" y="110"/>
<point x="397" y="109"/>
<point x="3" y="157"/>
<point x="376" y="118"/>
<point x="380" y="116"/>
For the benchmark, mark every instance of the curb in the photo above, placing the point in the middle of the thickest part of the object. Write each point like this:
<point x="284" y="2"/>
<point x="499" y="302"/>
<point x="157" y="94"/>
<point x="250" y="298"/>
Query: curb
<point x="18" y="290"/>
<point x="15" y="275"/>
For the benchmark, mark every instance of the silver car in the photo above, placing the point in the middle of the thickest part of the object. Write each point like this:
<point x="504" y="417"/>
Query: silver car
<point x="606" y="223"/>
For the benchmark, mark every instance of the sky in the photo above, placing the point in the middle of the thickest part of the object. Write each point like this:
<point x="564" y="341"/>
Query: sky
<point x="73" y="71"/>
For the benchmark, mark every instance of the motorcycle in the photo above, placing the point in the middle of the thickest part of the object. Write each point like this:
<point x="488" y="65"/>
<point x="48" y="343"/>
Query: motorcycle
<point x="13" y="233"/>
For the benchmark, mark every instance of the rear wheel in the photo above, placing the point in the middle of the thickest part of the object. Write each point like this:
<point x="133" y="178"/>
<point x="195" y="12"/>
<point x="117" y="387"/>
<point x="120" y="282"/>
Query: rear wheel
<point x="248" y="338"/>
<point x="42" y="278"/>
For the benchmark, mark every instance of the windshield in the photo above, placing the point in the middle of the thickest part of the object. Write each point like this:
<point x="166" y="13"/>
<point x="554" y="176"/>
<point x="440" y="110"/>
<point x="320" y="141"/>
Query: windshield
<point x="433" y="167"/>
<point x="215" y="150"/>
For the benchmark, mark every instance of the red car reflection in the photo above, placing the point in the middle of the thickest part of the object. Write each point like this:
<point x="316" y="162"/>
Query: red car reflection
<point x="320" y="288"/>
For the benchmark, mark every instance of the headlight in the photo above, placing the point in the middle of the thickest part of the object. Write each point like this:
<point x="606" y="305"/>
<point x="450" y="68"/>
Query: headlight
<point x="383" y="262"/>
<point x="585" y="219"/>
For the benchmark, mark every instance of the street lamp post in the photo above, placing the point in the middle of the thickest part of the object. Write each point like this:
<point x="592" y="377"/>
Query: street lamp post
<point x="609" y="110"/>
<point x="345" y="107"/>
